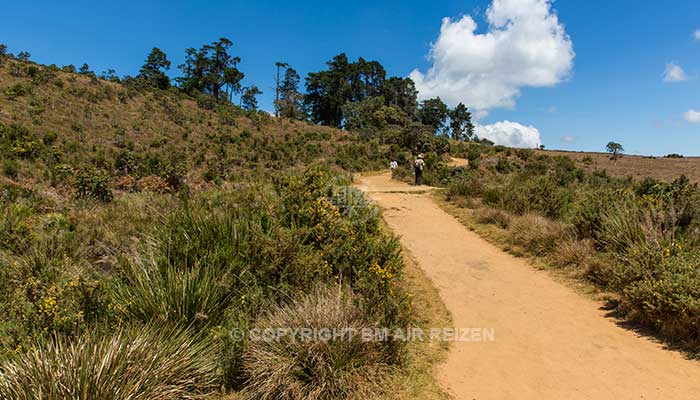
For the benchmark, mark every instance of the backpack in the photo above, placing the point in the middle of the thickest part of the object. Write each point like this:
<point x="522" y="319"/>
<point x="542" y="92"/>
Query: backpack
<point x="419" y="164"/>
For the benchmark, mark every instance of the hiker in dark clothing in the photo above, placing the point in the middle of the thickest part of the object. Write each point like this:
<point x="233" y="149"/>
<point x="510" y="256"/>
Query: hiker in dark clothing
<point x="418" y="166"/>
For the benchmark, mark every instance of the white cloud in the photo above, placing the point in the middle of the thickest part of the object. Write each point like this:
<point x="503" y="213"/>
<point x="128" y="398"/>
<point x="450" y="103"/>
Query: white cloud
<point x="696" y="35"/>
<point x="525" y="46"/>
<point x="568" y="139"/>
<point x="510" y="134"/>
<point x="674" y="73"/>
<point x="552" y="109"/>
<point x="692" y="116"/>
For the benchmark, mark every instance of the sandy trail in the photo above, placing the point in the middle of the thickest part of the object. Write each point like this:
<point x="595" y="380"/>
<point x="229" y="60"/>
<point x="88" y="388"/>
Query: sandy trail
<point x="550" y="342"/>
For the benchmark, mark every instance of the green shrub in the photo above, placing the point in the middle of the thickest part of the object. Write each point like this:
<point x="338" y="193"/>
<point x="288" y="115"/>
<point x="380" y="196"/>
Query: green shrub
<point x="668" y="296"/>
<point x="590" y="209"/>
<point x="538" y="194"/>
<point x="10" y="168"/>
<point x="18" y="90"/>
<point x="17" y="141"/>
<point x="94" y="183"/>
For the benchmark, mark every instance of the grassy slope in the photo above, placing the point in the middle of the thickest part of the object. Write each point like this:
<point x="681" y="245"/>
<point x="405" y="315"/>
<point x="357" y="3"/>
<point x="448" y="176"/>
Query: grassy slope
<point x="95" y="120"/>
<point x="638" y="167"/>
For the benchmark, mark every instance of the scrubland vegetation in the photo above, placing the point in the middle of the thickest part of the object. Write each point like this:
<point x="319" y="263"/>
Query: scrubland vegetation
<point x="636" y="239"/>
<point x="142" y="221"/>
<point x="145" y="221"/>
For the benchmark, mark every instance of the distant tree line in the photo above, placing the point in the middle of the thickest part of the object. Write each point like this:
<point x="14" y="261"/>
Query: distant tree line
<point x="352" y="95"/>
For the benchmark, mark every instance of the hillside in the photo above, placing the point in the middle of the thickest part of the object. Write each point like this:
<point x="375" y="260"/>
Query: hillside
<point x="639" y="167"/>
<point x="177" y="222"/>
<point x="65" y="121"/>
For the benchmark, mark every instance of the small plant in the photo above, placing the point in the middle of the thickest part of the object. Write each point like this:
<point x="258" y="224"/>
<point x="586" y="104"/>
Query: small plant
<point x="94" y="183"/>
<point x="10" y="168"/>
<point x="17" y="90"/>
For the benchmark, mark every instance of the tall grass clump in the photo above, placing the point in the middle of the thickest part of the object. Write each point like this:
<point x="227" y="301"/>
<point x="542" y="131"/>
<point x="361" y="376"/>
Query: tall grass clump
<point x="298" y="368"/>
<point x="537" y="234"/>
<point x="152" y="291"/>
<point x="149" y="363"/>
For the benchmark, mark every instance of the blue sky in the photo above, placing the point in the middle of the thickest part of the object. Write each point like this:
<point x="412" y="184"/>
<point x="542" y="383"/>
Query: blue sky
<point x="614" y="88"/>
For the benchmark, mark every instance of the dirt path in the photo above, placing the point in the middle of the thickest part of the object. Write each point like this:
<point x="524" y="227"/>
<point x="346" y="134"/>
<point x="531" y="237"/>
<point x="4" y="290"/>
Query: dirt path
<point x="550" y="343"/>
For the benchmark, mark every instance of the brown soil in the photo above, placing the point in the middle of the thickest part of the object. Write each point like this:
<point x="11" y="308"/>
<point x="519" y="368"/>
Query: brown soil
<point x="550" y="342"/>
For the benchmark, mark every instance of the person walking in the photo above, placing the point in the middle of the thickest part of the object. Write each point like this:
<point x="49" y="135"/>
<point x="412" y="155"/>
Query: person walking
<point x="418" y="167"/>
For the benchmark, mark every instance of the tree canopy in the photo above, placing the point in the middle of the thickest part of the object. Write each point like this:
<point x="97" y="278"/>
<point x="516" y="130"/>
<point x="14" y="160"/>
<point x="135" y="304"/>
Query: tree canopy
<point x="461" y="123"/>
<point x="153" y="71"/>
<point x="290" y="103"/>
<point x="343" y="82"/>
<point x="433" y="112"/>
<point x="249" y="99"/>
<point x="212" y="70"/>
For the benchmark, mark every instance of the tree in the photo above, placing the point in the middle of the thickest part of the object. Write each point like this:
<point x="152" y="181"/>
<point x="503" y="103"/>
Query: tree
<point x="372" y="114"/>
<point x="249" y="99"/>
<point x="109" y="75"/>
<point x="461" y="123"/>
<point x="3" y="52"/>
<point x="211" y="70"/>
<point x="85" y="70"/>
<point x="615" y="149"/>
<point x="402" y="94"/>
<point x="23" y="56"/>
<point x="290" y="104"/>
<point x="433" y="112"/>
<point x="280" y="66"/>
<point x="153" y="71"/>
<point x="327" y="91"/>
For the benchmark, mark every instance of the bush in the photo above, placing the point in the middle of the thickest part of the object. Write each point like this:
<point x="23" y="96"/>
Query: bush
<point x="539" y="235"/>
<point x="590" y="209"/>
<point x="668" y="296"/>
<point x="138" y="363"/>
<point x="295" y="368"/>
<point x="488" y="215"/>
<point x="10" y="168"/>
<point x="94" y="183"/>
<point x="538" y="194"/>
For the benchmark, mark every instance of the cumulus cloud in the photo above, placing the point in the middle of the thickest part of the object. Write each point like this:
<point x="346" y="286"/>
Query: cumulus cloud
<point x="525" y="46"/>
<point x="692" y="116"/>
<point x="674" y="73"/>
<point x="510" y="134"/>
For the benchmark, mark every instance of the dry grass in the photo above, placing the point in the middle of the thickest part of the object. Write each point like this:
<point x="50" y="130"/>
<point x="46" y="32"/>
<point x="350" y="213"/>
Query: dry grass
<point x="489" y="215"/>
<point x="140" y="364"/>
<point x="539" y="235"/>
<point x="295" y="368"/>
<point x="638" y="167"/>
<point x="573" y="253"/>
